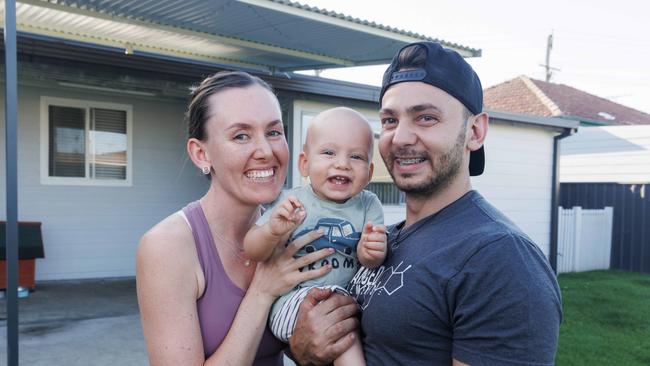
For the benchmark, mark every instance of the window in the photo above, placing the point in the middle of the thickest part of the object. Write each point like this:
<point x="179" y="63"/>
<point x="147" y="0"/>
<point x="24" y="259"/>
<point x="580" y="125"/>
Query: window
<point x="85" y="143"/>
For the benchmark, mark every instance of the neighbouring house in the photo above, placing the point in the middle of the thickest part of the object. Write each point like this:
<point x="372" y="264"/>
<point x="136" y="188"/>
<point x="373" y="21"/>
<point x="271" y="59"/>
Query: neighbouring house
<point x="599" y="167"/>
<point x="609" y="166"/>
<point x="102" y="89"/>
<point x="540" y="98"/>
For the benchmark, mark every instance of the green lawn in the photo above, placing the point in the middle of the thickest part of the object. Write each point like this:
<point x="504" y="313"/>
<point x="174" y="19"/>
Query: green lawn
<point x="606" y="319"/>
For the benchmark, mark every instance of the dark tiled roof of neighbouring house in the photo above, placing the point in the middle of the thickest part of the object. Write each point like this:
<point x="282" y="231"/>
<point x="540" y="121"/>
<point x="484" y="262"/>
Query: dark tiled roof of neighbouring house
<point x="536" y="97"/>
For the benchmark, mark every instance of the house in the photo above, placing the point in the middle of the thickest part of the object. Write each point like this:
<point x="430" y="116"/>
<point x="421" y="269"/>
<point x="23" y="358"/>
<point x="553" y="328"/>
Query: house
<point x="102" y="90"/>
<point x="600" y="166"/>
<point x="609" y="166"/>
<point x="540" y="98"/>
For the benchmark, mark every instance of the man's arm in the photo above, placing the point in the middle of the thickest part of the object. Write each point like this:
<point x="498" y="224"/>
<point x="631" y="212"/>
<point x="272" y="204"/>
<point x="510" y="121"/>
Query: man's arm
<point x="507" y="305"/>
<point x="324" y="328"/>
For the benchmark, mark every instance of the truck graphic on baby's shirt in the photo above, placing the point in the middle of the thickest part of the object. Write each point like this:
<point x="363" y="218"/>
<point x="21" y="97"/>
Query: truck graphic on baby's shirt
<point x="337" y="233"/>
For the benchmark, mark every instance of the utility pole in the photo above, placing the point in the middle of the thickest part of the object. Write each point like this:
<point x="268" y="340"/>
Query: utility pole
<point x="549" y="46"/>
<point x="547" y="65"/>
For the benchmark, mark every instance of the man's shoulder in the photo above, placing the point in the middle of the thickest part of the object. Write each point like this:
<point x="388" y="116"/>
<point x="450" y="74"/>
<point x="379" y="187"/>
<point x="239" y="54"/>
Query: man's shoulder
<point x="485" y="219"/>
<point x="475" y="227"/>
<point x="494" y="240"/>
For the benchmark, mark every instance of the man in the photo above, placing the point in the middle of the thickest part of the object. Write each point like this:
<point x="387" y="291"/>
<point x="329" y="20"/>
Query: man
<point x="461" y="283"/>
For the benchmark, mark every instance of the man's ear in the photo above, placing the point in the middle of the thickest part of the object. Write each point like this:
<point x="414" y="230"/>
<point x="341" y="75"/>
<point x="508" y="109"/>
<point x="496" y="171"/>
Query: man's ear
<point x="478" y="126"/>
<point x="198" y="152"/>
<point x="303" y="164"/>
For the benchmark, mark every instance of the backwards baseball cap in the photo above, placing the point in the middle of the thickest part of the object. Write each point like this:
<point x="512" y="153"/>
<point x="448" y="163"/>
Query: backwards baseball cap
<point x="446" y="70"/>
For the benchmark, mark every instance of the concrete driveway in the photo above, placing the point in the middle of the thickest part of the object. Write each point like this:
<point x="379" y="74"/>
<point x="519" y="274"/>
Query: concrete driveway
<point x="90" y="322"/>
<point x="79" y="323"/>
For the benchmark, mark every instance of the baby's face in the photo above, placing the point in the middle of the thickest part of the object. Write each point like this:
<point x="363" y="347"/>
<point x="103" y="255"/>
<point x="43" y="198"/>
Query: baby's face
<point x="337" y="158"/>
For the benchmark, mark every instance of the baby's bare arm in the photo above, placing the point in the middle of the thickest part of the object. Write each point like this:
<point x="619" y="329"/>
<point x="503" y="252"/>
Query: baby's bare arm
<point x="371" y="249"/>
<point x="261" y="240"/>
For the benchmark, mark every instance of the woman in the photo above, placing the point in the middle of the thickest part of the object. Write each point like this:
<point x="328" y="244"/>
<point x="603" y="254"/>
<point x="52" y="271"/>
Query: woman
<point x="201" y="300"/>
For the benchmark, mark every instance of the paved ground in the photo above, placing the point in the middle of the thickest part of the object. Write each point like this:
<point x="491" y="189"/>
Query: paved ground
<point x="78" y="323"/>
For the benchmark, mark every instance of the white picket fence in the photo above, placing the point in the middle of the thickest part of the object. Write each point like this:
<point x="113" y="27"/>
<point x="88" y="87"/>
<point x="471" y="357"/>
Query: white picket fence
<point x="584" y="239"/>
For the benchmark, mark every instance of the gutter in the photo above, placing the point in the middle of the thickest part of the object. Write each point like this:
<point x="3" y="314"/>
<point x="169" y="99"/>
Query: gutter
<point x="555" y="193"/>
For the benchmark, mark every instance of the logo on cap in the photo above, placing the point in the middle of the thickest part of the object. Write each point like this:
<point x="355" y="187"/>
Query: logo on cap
<point x="407" y="75"/>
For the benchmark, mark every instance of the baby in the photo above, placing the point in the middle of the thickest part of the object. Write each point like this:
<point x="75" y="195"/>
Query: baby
<point x="337" y="158"/>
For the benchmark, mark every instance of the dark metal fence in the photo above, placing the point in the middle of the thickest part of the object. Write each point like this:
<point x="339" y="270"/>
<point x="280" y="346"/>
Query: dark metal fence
<point x="631" y="231"/>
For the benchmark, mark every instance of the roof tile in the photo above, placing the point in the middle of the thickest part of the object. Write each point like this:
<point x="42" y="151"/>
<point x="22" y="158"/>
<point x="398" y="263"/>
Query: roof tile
<point x="515" y="96"/>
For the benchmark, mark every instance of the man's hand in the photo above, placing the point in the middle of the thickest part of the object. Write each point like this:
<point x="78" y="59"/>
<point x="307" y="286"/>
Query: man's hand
<point x="286" y="216"/>
<point x="371" y="249"/>
<point x="324" y="328"/>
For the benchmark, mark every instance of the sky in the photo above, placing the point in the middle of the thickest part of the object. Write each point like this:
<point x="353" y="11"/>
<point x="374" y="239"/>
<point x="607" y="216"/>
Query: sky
<point x="601" y="47"/>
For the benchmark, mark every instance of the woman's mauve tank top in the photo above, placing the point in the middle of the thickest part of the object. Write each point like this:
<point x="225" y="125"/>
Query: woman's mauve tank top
<point x="220" y="300"/>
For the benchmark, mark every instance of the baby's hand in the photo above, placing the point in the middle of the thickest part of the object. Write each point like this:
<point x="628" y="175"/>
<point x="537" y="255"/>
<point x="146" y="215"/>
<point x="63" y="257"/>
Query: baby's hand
<point x="286" y="216"/>
<point x="371" y="249"/>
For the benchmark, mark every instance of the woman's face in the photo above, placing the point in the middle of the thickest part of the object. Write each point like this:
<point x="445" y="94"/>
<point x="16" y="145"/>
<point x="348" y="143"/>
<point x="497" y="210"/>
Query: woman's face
<point x="246" y="143"/>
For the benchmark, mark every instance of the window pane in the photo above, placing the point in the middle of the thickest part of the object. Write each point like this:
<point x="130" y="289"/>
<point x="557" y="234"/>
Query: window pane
<point x="67" y="151"/>
<point x="108" y="135"/>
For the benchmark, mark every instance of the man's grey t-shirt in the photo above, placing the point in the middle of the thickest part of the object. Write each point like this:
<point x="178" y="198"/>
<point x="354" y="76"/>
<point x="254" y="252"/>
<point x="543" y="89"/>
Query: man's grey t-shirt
<point x="464" y="283"/>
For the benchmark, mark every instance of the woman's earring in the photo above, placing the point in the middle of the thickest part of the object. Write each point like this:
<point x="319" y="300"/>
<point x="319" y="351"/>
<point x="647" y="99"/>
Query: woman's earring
<point x="205" y="170"/>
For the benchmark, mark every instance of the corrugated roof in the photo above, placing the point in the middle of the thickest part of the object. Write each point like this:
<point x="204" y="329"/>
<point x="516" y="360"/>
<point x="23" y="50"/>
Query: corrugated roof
<point x="470" y="51"/>
<point x="536" y="97"/>
<point x="267" y="35"/>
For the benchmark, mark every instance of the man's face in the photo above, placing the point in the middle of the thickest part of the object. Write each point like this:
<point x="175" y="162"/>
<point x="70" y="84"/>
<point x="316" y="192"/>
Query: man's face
<point x="423" y="138"/>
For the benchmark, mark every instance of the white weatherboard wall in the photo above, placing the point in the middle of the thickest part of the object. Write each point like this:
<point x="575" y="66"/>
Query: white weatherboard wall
<point x="614" y="154"/>
<point x="93" y="231"/>
<point x="517" y="177"/>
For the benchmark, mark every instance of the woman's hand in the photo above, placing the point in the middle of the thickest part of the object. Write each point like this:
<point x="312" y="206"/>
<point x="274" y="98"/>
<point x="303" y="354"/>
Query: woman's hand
<point x="281" y="272"/>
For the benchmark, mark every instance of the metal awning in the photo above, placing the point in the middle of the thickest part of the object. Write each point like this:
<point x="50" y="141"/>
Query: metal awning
<point x="271" y="36"/>
<point x="264" y="35"/>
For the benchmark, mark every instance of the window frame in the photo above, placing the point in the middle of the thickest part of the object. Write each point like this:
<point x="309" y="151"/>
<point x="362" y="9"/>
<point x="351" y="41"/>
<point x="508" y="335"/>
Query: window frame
<point x="46" y="179"/>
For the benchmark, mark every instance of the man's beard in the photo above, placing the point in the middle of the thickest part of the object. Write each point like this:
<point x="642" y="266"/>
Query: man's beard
<point x="443" y="169"/>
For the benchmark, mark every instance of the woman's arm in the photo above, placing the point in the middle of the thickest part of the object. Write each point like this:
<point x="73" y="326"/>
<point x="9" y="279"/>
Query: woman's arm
<point x="168" y="289"/>
<point x="168" y="286"/>
<point x="272" y="279"/>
